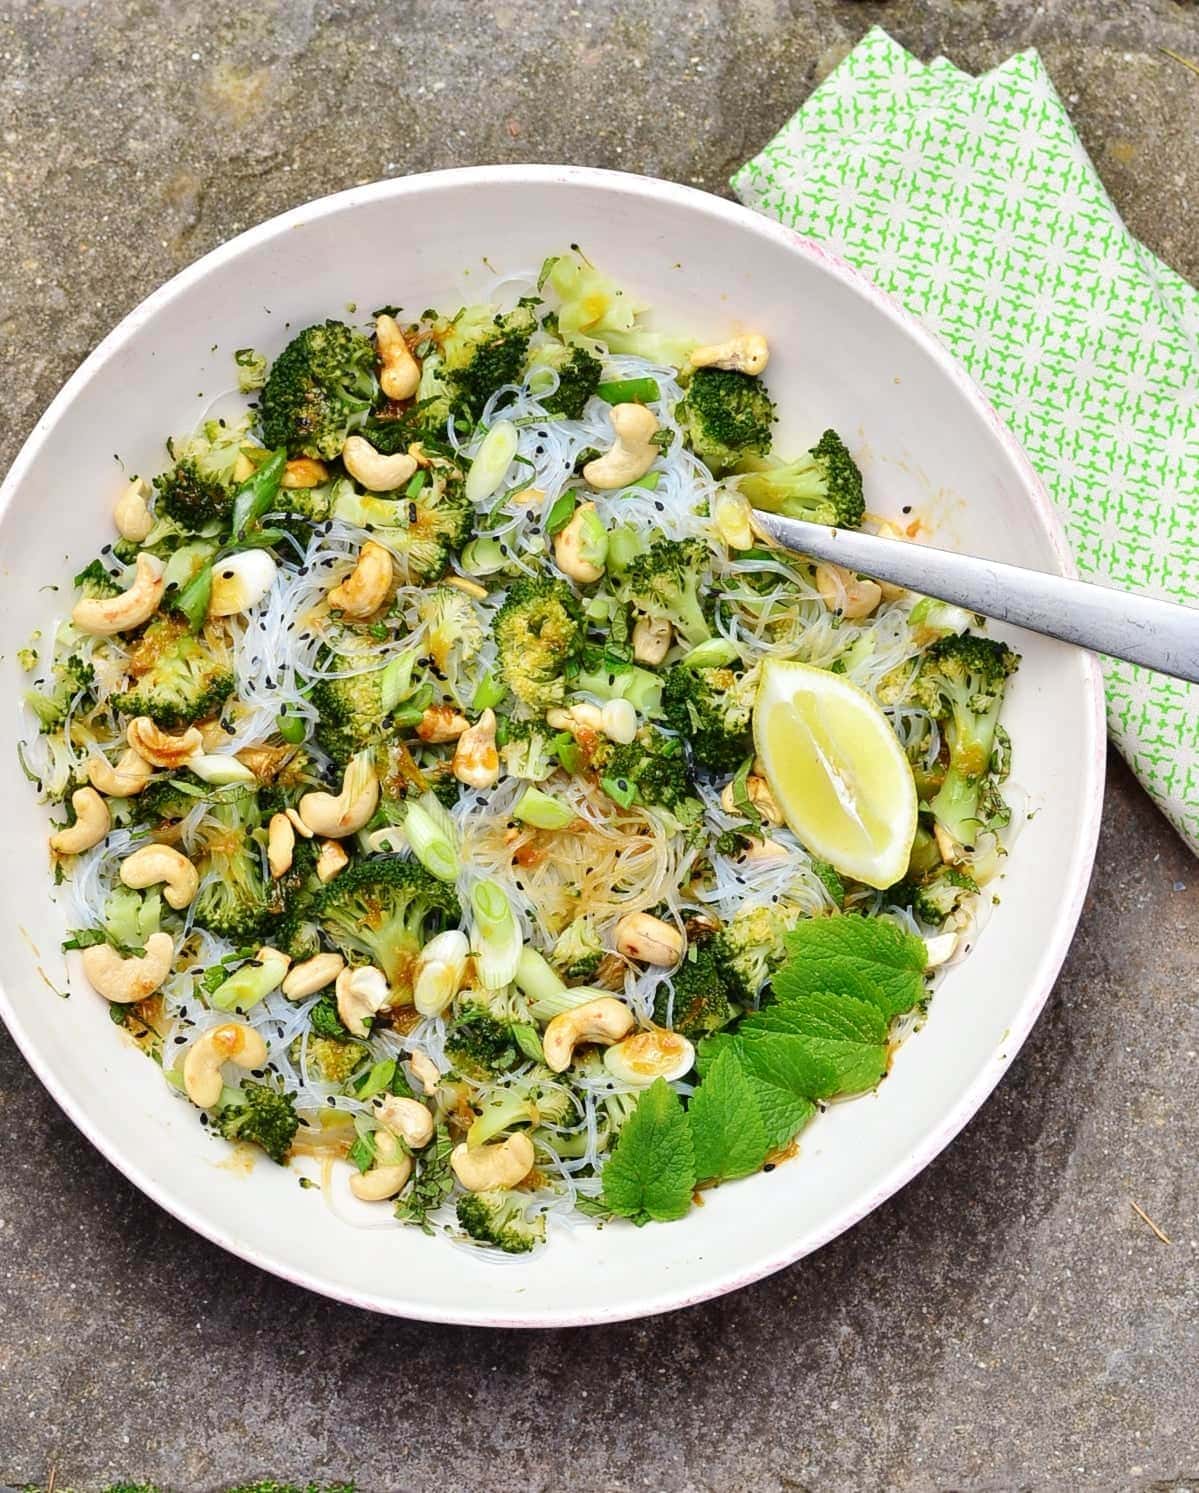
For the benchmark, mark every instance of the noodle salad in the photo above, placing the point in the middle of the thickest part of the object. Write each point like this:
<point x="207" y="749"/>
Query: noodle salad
<point x="450" y="784"/>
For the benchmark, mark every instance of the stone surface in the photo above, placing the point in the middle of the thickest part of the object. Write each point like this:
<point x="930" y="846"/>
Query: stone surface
<point x="1007" y="1322"/>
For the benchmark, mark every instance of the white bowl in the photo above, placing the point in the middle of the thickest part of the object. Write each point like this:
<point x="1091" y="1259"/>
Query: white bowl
<point x="843" y="355"/>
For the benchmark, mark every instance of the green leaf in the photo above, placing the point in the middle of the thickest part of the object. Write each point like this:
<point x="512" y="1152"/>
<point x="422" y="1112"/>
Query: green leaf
<point x="727" y="1133"/>
<point x="651" y="1173"/>
<point x="774" y="1080"/>
<point x="871" y="959"/>
<point x="837" y="1043"/>
<point x="362" y="1153"/>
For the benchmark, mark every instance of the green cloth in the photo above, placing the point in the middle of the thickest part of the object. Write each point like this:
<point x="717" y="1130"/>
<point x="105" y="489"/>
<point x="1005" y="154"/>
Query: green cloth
<point x="974" y="203"/>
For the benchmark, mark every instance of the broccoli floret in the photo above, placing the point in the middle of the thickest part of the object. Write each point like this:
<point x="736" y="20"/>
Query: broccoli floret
<point x="652" y="769"/>
<point x="167" y="799"/>
<point x="501" y="1218"/>
<point x="251" y="369"/>
<point x="234" y="900"/>
<point x="262" y="1115"/>
<point x="667" y="581"/>
<point x="609" y="675"/>
<point x="711" y="709"/>
<point x="319" y="389"/>
<point x="176" y="679"/>
<point x="961" y="682"/>
<point x="385" y="910"/>
<point x="476" y="353"/>
<point x="749" y="948"/>
<point x="190" y="499"/>
<point x="701" y="1004"/>
<point x="579" y="373"/>
<point x="536" y="1098"/>
<point x="290" y="901"/>
<point x="577" y="953"/>
<point x="351" y="714"/>
<point x="96" y="582"/>
<point x="454" y="633"/>
<point x="330" y="1060"/>
<point x="73" y="680"/>
<point x="593" y="306"/>
<point x="940" y="895"/>
<point x="481" y="1044"/>
<point x="527" y="750"/>
<point x="324" y="1021"/>
<point x="422" y="531"/>
<point x="538" y="632"/>
<point x="824" y="487"/>
<point x="727" y="417"/>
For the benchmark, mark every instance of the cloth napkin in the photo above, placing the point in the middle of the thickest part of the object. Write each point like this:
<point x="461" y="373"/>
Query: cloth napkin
<point x="974" y="203"/>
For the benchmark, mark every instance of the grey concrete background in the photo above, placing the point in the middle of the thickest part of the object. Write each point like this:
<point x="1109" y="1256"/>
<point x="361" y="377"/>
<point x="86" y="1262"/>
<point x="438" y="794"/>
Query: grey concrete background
<point x="1007" y="1322"/>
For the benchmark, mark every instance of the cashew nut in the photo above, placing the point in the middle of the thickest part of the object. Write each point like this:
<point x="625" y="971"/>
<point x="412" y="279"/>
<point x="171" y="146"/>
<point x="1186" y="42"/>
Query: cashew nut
<point x="376" y="472"/>
<point x="582" y="717"/>
<point x="105" y="615"/>
<point x="311" y="975"/>
<point x="407" y="1118"/>
<point x="476" y="760"/>
<point x="747" y="354"/>
<point x="160" y="747"/>
<point x="441" y="723"/>
<point x="231" y="1042"/>
<point x="330" y="859"/>
<point x="365" y="589"/>
<point x="501" y="1164"/>
<point x="130" y="775"/>
<point x="843" y="592"/>
<point x="571" y="546"/>
<point x="241" y="581"/>
<point x="468" y="587"/>
<point x="633" y="452"/>
<point x="618" y="721"/>
<point x="604" y="1020"/>
<point x="652" y="637"/>
<point x="757" y="790"/>
<point x="428" y="1074"/>
<point x="761" y="852"/>
<point x="124" y="981"/>
<point x="648" y="939"/>
<point x="162" y="863"/>
<point x="887" y="530"/>
<point x="360" y="993"/>
<point x="383" y="1182"/>
<point x="304" y="471"/>
<point x="92" y="823"/>
<point x="298" y="824"/>
<point x="337" y="815"/>
<point x="399" y="372"/>
<point x="132" y="515"/>
<point x="280" y="845"/>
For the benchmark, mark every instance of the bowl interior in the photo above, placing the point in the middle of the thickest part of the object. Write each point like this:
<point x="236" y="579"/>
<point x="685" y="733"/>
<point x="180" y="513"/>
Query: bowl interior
<point x="842" y="356"/>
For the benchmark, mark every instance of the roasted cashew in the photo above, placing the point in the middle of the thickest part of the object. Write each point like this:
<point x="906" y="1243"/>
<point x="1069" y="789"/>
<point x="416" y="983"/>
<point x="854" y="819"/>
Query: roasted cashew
<point x="131" y="515"/>
<point x="575" y="547"/>
<point x="441" y="723"/>
<point x="648" y="939"/>
<point x="304" y="471"/>
<point x="105" y="615"/>
<point x="124" y="981"/>
<point x="231" y="1042"/>
<point x="376" y="472"/>
<point x="298" y="824"/>
<point x="618" y="721"/>
<point x="759" y="851"/>
<point x="280" y="845"/>
<point x="162" y="863"/>
<point x="365" y="589"/>
<point x="476" y="760"/>
<point x="468" y="587"/>
<point x="428" y="1074"/>
<point x="502" y="1164"/>
<point x="758" y="792"/>
<point x="337" y="815"/>
<point x="747" y="354"/>
<point x="407" y="1118"/>
<point x="844" y="593"/>
<point x="306" y="978"/>
<point x="604" y="1020"/>
<point x="160" y="747"/>
<point x="360" y="993"/>
<point x="330" y="859"/>
<point x="130" y="775"/>
<point x="633" y="452"/>
<point x="399" y="372"/>
<point x="384" y="1180"/>
<point x="580" y="718"/>
<point x="652" y="637"/>
<point x="92" y="823"/>
<point x="241" y="581"/>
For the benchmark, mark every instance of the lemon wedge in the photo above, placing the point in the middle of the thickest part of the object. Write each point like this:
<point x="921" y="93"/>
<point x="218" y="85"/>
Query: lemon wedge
<point x="836" y="770"/>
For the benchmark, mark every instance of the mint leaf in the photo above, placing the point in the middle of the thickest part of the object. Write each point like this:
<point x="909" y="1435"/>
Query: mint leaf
<point x="773" y="1081"/>
<point x="835" y="1044"/>
<point x="727" y="1133"/>
<point x="871" y="959"/>
<point x="651" y="1173"/>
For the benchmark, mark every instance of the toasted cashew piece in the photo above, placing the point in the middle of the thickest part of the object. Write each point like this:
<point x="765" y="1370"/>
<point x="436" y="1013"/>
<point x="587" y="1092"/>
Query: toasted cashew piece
<point x="309" y="976"/>
<point x="407" y="1118"/>
<point x="330" y="859"/>
<point x="337" y="815"/>
<point x="160" y="747"/>
<point x="376" y="472"/>
<point x="502" y="1164"/>
<point x="123" y="981"/>
<point x="581" y="717"/>
<point x="569" y="544"/>
<point x="441" y="723"/>
<point x="304" y="471"/>
<point x="105" y="615"/>
<point x="231" y="1042"/>
<point x="746" y="354"/>
<point x="131" y="515"/>
<point x="633" y="452"/>
<point x="760" y="852"/>
<point x="383" y="1181"/>
<point x="468" y="587"/>
<point x="360" y="993"/>
<point x="298" y="824"/>
<point x="152" y="864"/>
<point x="604" y="1020"/>
<point x="618" y="721"/>
<point x="758" y="792"/>
<point x="129" y="776"/>
<point x="648" y="939"/>
<point x="92" y="823"/>
<point x="476" y="760"/>
<point x="652" y="637"/>
<point x="428" y="1074"/>
<point x="842" y="591"/>
<point x="365" y="589"/>
<point x="280" y="845"/>
<point x="399" y="372"/>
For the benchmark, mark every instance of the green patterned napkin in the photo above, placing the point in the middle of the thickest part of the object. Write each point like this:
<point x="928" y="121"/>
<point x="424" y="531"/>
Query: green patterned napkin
<point x="973" y="201"/>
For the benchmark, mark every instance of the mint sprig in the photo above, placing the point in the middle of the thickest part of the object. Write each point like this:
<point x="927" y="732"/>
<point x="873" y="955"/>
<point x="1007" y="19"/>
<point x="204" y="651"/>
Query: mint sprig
<point x="651" y="1173"/>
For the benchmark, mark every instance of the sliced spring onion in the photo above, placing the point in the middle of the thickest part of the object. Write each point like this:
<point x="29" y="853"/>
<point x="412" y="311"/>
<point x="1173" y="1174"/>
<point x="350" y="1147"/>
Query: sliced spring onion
<point x="378" y="1079"/>
<point x="497" y="935"/>
<point x="416" y="484"/>
<point x="490" y="466"/>
<point x="440" y="968"/>
<point x="629" y="391"/>
<point x="253" y="982"/>
<point x="716" y="653"/>
<point x="536" y="977"/>
<point x="396" y="683"/>
<point x="624" y="545"/>
<point x="542" y="810"/>
<point x="433" y="836"/>
<point x="193" y="600"/>
<point x="619" y="790"/>
<point x="649" y="481"/>
<point x="488" y="693"/>
<point x="483" y="556"/>
<point x="292" y="728"/>
<point x="560" y="514"/>
<point x="220" y="769"/>
<point x="256" y="494"/>
<point x="410" y="712"/>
